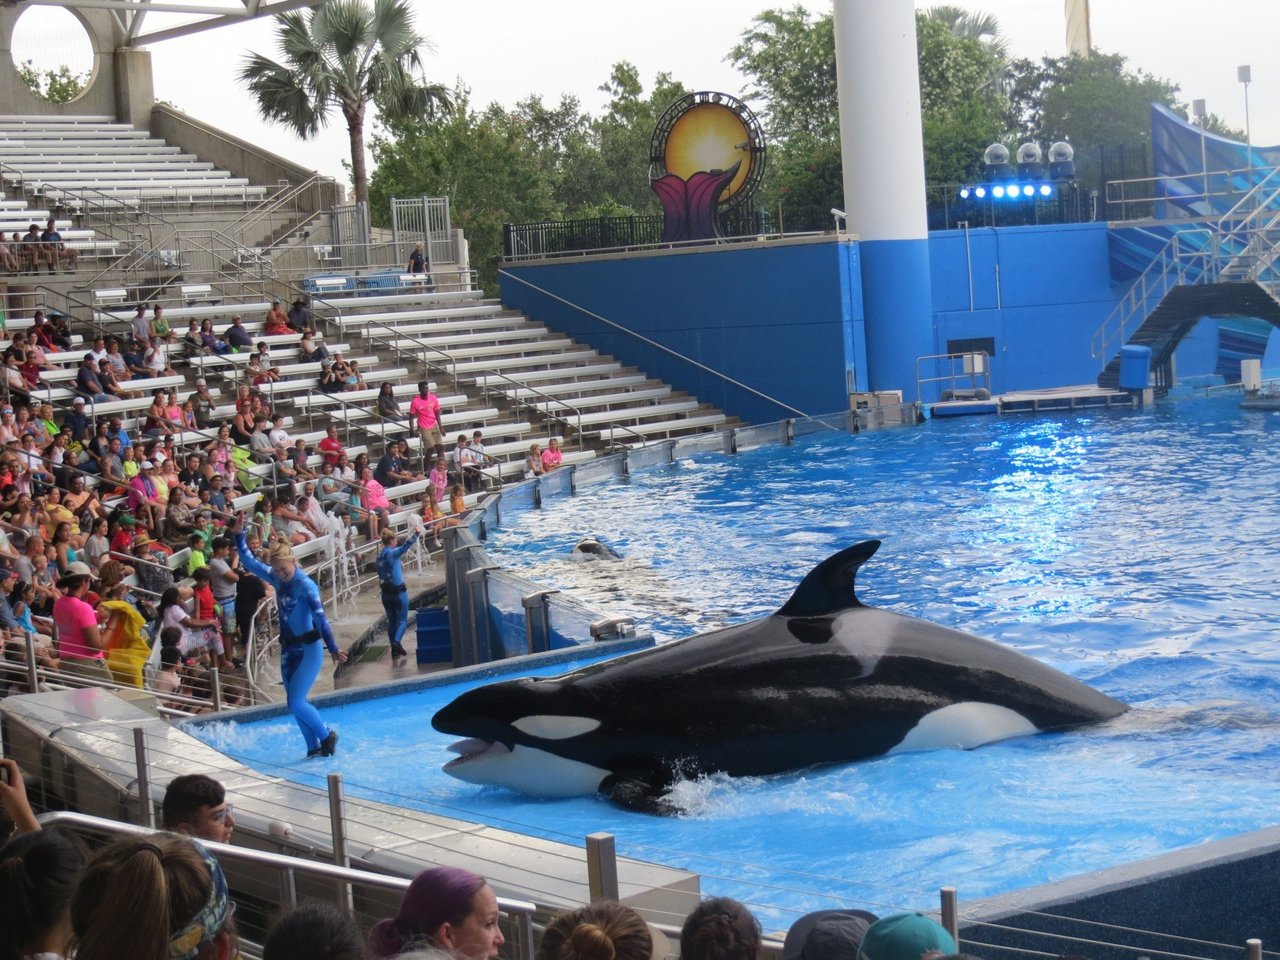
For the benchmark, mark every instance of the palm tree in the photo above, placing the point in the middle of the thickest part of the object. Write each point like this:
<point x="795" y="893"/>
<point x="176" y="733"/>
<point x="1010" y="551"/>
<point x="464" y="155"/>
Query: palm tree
<point x="347" y="55"/>
<point x="983" y="27"/>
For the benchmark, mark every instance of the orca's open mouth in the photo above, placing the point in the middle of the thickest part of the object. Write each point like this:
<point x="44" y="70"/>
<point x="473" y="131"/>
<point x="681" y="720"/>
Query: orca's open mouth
<point x="473" y="749"/>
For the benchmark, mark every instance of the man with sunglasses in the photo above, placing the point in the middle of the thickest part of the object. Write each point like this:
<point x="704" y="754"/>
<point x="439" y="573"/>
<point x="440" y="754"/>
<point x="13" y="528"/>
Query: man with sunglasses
<point x="197" y="806"/>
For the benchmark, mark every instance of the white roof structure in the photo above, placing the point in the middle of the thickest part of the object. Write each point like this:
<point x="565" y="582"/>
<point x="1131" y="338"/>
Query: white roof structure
<point x="177" y="18"/>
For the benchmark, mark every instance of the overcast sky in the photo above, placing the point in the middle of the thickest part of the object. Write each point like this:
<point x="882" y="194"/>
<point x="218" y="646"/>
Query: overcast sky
<point x="506" y="49"/>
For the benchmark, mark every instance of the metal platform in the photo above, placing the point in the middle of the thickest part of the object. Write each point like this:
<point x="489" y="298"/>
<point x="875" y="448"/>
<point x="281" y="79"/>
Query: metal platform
<point x="1083" y="397"/>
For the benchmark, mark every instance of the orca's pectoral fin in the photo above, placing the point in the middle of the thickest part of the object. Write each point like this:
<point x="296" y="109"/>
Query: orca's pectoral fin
<point x="829" y="587"/>
<point x="639" y="794"/>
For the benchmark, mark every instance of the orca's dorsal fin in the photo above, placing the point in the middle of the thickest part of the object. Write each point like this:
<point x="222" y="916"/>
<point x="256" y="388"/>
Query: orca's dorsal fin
<point x="829" y="587"/>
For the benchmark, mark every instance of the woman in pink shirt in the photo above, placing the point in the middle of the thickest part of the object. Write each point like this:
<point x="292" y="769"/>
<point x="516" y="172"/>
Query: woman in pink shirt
<point x="552" y="457"/>
<point x="79" y="640"/>
<point x="374" y="500"/>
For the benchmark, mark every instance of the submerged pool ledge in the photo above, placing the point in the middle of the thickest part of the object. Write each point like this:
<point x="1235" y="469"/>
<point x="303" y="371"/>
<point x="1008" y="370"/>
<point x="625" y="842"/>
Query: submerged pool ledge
<point x="79" y="746"/>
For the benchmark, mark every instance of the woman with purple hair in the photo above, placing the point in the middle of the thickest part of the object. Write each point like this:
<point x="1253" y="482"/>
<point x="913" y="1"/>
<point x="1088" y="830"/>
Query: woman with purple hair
<point x="445" y="907"/>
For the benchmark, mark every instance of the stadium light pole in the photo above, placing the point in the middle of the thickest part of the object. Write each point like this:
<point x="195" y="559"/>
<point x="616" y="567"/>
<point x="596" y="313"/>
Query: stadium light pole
<point x="1198" y="111"/>
<point x="1244" y="74"/>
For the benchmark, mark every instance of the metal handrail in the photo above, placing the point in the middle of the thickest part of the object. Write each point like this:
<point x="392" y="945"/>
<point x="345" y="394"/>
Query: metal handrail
<point x="1168" y="269"/>
<point x="522" y="911"/>
<point x="1154" y="189"/>
<point x="451" y="369"/>
<point x="653" y="343"/>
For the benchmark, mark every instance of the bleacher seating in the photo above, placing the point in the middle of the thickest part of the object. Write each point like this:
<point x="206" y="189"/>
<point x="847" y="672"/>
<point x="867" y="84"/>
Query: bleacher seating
<point x="64" y="159"/>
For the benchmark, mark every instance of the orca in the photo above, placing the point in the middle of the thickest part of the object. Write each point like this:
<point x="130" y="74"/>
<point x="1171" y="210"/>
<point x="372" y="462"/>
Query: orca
<point x="824" y="680"/>
<point x="593" y="548"/>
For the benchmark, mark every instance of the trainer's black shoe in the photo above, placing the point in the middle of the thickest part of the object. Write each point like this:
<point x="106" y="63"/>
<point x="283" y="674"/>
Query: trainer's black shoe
<point x="398" y="651"/>
<point x="313" y="752"/>
<point x="329" y="744"/>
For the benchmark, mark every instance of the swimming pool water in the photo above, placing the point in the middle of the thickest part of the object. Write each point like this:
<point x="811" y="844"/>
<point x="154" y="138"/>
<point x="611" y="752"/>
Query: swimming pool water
<point x="1133" y="550"/>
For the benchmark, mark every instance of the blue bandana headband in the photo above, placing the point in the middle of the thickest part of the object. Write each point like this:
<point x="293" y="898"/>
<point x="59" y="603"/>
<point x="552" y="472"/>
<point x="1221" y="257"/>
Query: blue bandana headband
<point x="187" y="943"/>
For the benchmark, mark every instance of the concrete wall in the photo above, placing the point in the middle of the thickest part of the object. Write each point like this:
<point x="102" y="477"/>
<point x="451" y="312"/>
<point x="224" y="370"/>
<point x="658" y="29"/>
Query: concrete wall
<point x="784" y="317"/>
<point x="240" y="157"/>
<point x="118" y="80"/>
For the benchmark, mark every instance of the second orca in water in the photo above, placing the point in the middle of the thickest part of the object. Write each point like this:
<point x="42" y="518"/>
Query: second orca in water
<point x="824" y="680"/>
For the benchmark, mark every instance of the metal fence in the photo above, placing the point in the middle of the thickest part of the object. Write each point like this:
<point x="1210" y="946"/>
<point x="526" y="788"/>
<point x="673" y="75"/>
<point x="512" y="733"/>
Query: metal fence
<point x="423" y="220"/>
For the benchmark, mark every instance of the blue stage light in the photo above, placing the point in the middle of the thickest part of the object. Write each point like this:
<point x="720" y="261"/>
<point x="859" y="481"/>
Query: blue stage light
<point x="1046" y="190"/>
<point x="997" y="192"/>
<point x="1028" y="190"/>
<point x="979" y="192"/>
<point x="1011" y="191"/>
<point x="964" y="193"/>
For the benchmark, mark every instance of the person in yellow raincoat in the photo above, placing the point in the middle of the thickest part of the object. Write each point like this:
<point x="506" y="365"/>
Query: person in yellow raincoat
<point x="126" y="644"/>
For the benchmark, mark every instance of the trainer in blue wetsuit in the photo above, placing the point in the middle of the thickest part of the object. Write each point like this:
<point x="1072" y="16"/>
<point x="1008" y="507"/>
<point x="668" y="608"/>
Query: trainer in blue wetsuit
<point x="395" y="595"/>
<point x="302" y="626"/>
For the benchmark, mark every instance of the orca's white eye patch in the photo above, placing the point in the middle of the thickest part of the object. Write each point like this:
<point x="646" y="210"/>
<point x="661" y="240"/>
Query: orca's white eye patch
<point x="552" y="727"/>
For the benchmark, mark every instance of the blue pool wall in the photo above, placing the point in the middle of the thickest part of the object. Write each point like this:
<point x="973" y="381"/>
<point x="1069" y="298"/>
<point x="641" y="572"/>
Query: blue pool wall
<point x="787" y="317"/>
<point x="1224" y="891"/>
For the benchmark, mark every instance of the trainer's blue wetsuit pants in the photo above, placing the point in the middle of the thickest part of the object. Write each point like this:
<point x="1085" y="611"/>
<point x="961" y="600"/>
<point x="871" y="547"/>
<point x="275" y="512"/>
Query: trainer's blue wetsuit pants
<point x="300" y="664"/>
<point x="396" y="605"/>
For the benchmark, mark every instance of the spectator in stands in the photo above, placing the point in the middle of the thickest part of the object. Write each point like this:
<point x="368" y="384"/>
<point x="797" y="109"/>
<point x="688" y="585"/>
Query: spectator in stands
<point x="77" y="422"/>
<point x="424" y="414"/>
<point x="288" y="523"/>
<point x="29" y="369"/>
<point x="9" y="261"/>
<point x="111" y="466"/>
<point x="156" y="359"/>
<point x="445" y="907"/>
<point x="388" y="407"/>
<point x="140" y="326"/>
<point x="210" y="342"/>
<point x="300" y="315"/>
<point x="193" y="342"/>
<point x="37" y="251"/>
<point x="110" y="384"/>
<point x="39" y="870"/>
<point x="56" y="248"/>
<point x="80" y="642"/>
<point x="14" y="380"/>
<point x="309" y="351"/>
<point x="331" y="380"/>
<point x="438" y="479"/>
<point x="144" y="496"/>
<point x="260" y="439"/>
<point x="278" y="435"/>
<point x="393" y="467"/>
<point x="455" y="457"/>
<point x="119" y="365"/>
<point x="150" y="560"/>
<point x="457" y="500"/>
<point x="905" y="936"/>
<point x="605" y="930"/>
<point x="353" y="379"/>
<point x="373" y="500"/>
<point x="314" y="931"/>
<point x="417" y="261"/>
<point x="330" y="446"/>
<point x="260" y="368"/>
<point x="720" y="928"/>
<point x="196" y="805"/>
<point x="552" y="457"/>
<point x="237" y="336"/>
<point x="204" y="404"/>
<point x="276" y="323"/>
<point x="160" y="329"/>
<point x="283" y="476"/>
<point x="156" y="897"/>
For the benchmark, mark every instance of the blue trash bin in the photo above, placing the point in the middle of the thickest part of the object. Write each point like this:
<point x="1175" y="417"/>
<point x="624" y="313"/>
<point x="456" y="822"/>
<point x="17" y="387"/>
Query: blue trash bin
<point x="1135" y="366"/>
<point x="435" y="643"/>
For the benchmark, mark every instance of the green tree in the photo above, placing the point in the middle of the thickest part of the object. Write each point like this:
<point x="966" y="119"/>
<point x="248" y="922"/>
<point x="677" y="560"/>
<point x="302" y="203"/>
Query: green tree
<point x="624" y="132"/>
<point x="1091" y="102"/>
<point x="789" y="58"/>
<point x="486" y="163"/>
<point x="345" y="55"/>
<point x="56" y="86"/>
<point x="790" y="61"/>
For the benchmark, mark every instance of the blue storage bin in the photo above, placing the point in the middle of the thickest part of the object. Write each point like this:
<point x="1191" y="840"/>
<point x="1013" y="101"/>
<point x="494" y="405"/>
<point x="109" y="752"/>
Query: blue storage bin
<point x="435" y="642"/>
<point x="1135" y="366"/>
